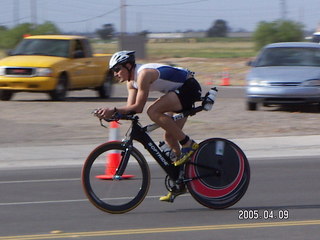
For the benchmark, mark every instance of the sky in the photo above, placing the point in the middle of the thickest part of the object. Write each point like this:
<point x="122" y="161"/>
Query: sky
<point x="157" y="15"/>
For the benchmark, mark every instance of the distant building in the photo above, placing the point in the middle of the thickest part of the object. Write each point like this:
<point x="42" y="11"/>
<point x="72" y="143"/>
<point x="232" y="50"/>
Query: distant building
<point x="193" y="35"/>
<point x="240" y="34"/>
<point x="176" y="35"/>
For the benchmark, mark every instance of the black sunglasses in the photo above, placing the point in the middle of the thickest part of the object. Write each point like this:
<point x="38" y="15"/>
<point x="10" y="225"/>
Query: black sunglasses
<point x="116" y="69"/>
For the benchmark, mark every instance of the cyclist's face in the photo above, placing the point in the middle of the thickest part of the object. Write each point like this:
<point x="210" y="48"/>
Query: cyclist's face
<point x="121" y="73"/>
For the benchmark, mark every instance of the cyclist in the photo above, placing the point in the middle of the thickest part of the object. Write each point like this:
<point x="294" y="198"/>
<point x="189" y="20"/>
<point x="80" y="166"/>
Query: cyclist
<point x="180" y="90"/>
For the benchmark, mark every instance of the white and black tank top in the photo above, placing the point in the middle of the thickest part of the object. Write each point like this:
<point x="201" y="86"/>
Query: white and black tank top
<point x="170" y="78"/>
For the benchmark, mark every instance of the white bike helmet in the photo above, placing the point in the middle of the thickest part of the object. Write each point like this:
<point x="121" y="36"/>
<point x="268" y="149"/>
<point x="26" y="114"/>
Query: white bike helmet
<point x="122" y="57"/>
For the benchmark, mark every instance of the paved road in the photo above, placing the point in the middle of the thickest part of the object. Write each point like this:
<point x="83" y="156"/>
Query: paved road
<point x="49" y="204"/>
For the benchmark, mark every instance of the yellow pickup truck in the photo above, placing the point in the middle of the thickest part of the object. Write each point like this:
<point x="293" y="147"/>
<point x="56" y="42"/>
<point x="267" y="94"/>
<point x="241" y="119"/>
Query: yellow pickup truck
<point x="54" y="64"/>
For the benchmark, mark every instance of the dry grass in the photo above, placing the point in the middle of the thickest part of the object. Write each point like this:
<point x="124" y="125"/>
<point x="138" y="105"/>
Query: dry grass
<point x="201" y="49"/>
<point x="212" y="71"/>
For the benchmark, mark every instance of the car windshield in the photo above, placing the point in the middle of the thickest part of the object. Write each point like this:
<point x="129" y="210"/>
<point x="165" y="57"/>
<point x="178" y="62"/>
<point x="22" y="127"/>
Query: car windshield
<point x="289" y="56"/>
<point x="47" y="47"/>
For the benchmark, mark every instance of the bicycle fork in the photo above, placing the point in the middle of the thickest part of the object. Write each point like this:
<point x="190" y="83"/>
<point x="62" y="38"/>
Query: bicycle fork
<point x="125" y="155"/>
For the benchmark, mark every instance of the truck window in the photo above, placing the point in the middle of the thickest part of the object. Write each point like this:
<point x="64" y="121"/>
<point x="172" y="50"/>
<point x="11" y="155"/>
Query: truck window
<point x="87" y="47"/>
<point x="46" y="47"/>
<point x="79" y="51"/>
<point x="82" y="49"/>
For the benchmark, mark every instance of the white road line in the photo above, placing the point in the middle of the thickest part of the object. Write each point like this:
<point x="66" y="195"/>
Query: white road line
<point x="69" y="201"/>
<point x="41" y="180"/>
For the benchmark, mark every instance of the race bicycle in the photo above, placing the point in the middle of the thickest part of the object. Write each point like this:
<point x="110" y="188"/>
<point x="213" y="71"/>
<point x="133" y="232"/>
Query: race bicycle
<point x="217" y="175"/>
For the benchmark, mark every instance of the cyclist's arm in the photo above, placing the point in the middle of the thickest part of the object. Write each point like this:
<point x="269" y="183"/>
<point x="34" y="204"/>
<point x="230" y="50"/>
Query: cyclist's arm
<point x="137" y="98"/>
<point x="132" y="94"/>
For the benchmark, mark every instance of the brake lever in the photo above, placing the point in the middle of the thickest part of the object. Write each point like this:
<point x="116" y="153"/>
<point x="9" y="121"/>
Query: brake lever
<point x="101" y="123"/>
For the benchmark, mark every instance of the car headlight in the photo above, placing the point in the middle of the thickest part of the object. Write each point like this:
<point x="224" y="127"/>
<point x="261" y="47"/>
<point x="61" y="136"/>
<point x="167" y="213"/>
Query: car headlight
<point x="254" y="82"/>
<point x="258" y="83"/>
<point x="43" y="72"/>
<point x="311" y="83"/>
<point x="2" y="71"/>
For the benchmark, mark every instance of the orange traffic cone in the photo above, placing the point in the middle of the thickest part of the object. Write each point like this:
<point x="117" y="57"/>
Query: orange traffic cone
<point x="225" y="81"/>
<point x="209" y="82"/>
<point x="113" y="158"/>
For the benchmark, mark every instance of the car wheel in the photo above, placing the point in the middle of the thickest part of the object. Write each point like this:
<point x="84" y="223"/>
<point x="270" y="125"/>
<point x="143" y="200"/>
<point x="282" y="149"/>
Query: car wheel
<point x="5" y="95"/>
<point x="252" y="106"/>
<point x="60" y="92"/>
<point x="105" y="90"/>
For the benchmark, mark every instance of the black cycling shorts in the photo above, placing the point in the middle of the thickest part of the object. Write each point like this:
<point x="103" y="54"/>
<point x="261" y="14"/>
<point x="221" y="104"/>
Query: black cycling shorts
<point x="189" y="93"/>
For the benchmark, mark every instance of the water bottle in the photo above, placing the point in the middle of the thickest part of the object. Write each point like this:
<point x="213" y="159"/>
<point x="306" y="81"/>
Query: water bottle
<point x="209" y="100"/>
<point x="167" y="151"/>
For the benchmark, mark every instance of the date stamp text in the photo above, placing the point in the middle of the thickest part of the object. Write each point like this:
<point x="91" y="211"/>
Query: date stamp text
<point x="260" y="214"/>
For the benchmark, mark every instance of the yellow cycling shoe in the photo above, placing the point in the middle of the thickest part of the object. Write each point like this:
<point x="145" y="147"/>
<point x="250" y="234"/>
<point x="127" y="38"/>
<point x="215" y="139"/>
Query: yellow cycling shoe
<point x="186" y="153"/>
<point x="173" y="194"/>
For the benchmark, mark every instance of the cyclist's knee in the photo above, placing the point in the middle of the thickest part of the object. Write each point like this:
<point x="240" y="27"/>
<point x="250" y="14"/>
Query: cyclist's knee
<point x="151" y="113"/>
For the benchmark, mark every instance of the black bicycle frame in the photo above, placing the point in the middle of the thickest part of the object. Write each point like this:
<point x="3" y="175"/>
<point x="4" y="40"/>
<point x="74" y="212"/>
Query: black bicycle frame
<point x="139" y="134"/>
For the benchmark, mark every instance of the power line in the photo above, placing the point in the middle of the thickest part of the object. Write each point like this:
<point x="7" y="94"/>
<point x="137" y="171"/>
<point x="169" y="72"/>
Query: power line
<point x="166" y="4"/>
<point x="15" y="20"/>
<point x="122" y="7"/>
<point x="91" y="18"/>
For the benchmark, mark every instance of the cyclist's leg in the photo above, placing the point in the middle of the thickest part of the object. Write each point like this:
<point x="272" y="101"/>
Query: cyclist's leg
<point x="175" y="102"/>
<point x="169" y="102"/>
<point x="172" y="142"/>
<point x="188" y="93"/>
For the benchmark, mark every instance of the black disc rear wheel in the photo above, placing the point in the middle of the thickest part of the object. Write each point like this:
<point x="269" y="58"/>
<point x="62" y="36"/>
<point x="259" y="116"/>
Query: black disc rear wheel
<point x="220" y="173"/>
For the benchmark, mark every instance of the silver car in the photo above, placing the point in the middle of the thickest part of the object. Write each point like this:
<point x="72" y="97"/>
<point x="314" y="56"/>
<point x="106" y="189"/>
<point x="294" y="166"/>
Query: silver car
<point x="284" y="73"/>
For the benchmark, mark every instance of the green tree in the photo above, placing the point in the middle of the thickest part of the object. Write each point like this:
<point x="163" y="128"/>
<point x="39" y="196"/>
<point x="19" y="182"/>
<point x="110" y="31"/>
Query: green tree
<point x="14" y="35"/>
<point x="3" y="28"/>
<point x="277" y="31"/>
<point x="218" y="29"/>
<point x="106" y="32"/>
<point x="10" y="37"/>
<point x="45" y="28"/>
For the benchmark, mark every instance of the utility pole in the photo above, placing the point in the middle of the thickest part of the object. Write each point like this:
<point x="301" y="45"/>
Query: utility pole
<point x="33" y="11"/>
<point x="123" y="17"/>
<point x="16" y="12"/>
<point x="283" y="7"/>
<point x="138" y="22"/>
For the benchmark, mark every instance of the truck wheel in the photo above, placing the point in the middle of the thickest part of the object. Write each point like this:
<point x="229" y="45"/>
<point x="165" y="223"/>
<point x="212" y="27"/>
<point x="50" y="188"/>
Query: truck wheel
<point x="251" y="106"/>
<point x="5" y="95"/>
<point x="105" y="91"/>
<point x="60" y="92"/>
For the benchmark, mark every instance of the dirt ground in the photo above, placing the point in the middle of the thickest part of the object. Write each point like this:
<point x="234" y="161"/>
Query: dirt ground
<point x="30" y="119"/>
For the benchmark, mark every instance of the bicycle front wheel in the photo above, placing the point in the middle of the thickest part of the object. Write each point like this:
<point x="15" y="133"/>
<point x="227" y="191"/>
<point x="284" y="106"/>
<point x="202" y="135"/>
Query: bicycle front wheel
<point x="110" y="193"/>
<point x="218" y="174"/>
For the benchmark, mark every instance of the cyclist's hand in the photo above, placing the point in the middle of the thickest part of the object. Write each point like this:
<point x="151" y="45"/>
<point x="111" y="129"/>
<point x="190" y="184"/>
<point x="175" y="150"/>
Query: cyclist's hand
<point x="104" y="113"/>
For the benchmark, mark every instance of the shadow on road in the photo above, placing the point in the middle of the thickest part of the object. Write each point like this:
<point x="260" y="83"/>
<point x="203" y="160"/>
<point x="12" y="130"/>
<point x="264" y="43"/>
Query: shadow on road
<point x="299" y="108"/>
<point x="80" y="99"/>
